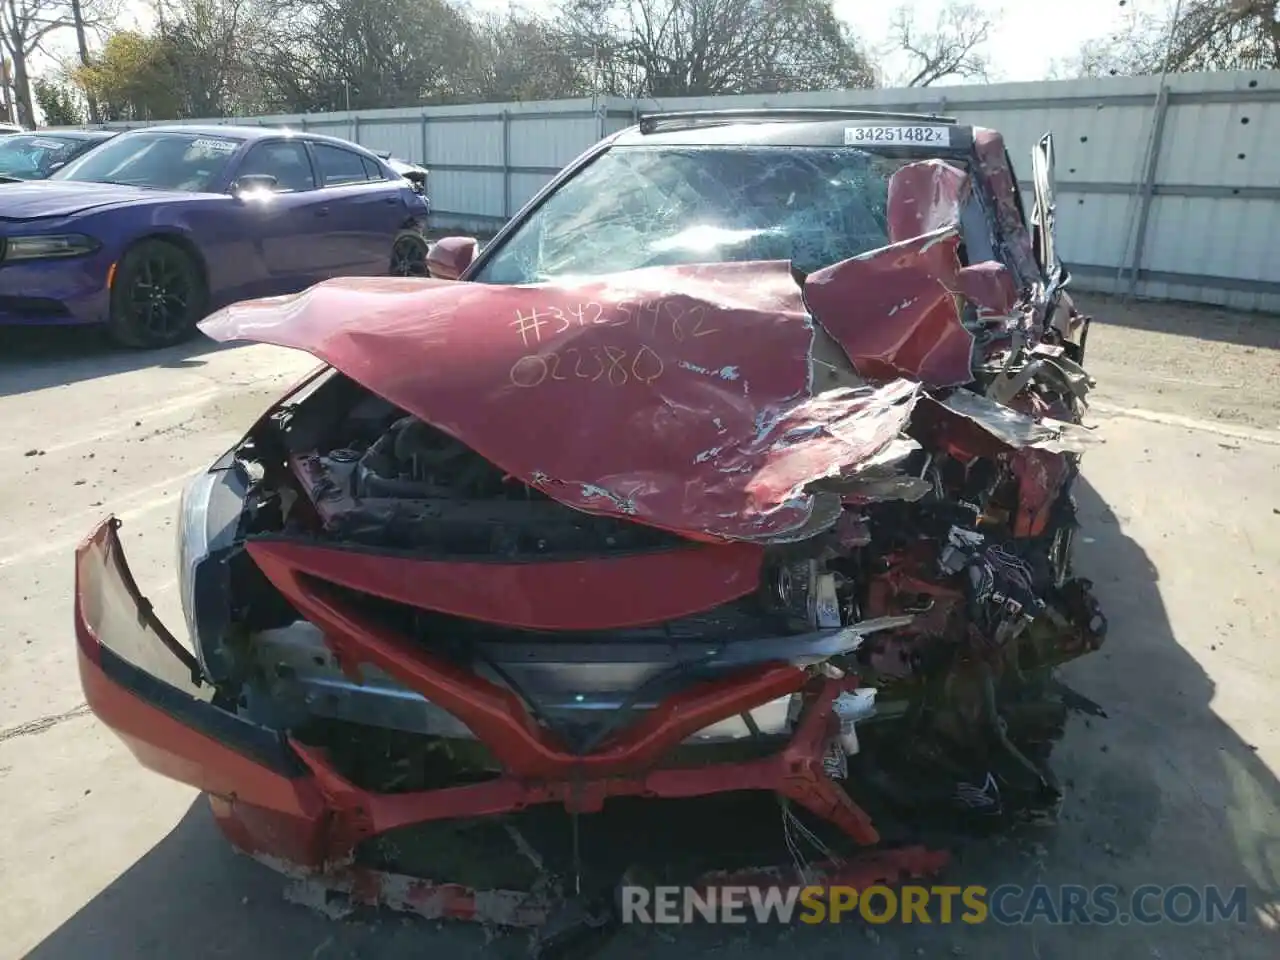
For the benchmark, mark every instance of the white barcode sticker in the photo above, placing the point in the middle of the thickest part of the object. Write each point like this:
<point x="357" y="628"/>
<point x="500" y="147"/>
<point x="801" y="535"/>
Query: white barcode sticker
<point x="217" y="146"/>
<point x="898" y="134"/>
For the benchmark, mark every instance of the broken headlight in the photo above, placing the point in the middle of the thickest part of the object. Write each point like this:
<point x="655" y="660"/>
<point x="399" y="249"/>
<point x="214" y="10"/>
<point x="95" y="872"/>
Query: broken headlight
<point x="208" y="520"/>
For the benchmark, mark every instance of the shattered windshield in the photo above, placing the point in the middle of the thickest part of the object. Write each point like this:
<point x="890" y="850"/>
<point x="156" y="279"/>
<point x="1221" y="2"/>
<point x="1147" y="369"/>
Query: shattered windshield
<point x="656" y="206"/>
<point x="166" y="161"/>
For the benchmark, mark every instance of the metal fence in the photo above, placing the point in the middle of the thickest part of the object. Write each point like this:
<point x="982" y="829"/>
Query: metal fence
<point x="1167" y="190"/>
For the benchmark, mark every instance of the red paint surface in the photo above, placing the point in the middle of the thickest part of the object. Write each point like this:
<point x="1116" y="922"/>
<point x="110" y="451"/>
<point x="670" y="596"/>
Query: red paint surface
<point x="924" y="197"/>
<point x="596" y="594"/>
<point x="448" y="258"/>
<point x="495" y="714"/>
<point x="684" y="391"/>
<point x="269" y="812"/>
<point x="796" y="773"/>
<point x="316" y="821"/>
<point x="989" y="285"/>
<point x="1041" y="474"/>
<point x="895" y="312"/>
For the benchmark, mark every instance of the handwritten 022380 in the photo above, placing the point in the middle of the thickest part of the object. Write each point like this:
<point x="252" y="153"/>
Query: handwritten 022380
<point x="609" y="364"/>
<point x="671" y="319"/>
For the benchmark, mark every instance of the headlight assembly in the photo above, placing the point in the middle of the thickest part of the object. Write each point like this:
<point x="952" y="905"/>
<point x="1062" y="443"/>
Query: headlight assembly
<point x="52" y="246"/>
<point x="208" y="522"/>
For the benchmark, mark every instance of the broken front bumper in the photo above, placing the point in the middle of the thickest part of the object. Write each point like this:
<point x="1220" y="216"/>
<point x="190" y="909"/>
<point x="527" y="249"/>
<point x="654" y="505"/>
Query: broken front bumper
<point x="283" y="802"/>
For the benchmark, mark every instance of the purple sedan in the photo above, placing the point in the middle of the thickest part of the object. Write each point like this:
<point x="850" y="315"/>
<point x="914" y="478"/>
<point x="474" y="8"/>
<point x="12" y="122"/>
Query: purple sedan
<point x="150" y="231"/>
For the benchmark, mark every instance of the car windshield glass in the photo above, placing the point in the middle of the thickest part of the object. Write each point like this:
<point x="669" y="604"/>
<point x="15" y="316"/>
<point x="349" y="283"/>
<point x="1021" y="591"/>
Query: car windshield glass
<point x="31" y="157"/>
<point x="166" y="161"/>
<point x="636" y="207"/>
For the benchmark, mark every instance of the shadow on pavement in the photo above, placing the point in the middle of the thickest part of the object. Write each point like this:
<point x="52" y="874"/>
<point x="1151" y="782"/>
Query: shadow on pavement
<point x="1162" y="792"/>
<point x="37" y="358"/>
<point x="191" y="896"/>
<point x="1196" y="321"/>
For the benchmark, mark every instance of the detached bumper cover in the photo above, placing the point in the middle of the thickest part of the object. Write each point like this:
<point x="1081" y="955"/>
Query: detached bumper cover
<point x="284" y="803"/>
<point x="140" y="681"/>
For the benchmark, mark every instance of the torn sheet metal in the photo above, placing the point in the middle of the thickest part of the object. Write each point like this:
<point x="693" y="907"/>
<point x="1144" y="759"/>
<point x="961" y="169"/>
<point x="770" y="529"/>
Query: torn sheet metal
<point x="895" y="310"/>
<point x="336" y="895"/>
<point x="881" y="477"/>
<point x="1065" y="375"/>
<point x="1017" y="430"/>
<point x="688" y="391"/>
<point x="924" y="197"/>
<point x="989" y="286"/>
<point x="996" y="172"/>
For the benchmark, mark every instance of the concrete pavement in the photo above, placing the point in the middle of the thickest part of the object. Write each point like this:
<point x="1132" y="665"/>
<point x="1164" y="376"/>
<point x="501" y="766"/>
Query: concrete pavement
<point x="1181" y="515"/>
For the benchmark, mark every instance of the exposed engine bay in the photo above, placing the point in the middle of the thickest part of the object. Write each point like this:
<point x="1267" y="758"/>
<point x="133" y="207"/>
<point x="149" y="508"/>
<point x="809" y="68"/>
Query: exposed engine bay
<point x="951" y="567"/>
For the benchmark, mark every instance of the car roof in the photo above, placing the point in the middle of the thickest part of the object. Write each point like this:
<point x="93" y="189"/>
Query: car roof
<point x="247" y="133"/>
<point x="790" y="128"/>
<point x="73" y="134"/>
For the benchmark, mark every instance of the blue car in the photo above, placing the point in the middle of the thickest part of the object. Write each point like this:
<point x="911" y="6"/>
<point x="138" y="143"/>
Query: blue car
<point x="150" y="231"/>
<point x="36" y="156"/>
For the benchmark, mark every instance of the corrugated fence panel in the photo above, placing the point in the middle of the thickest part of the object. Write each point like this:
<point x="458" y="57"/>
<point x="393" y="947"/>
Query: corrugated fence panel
<point x="550" y="142"/>
<point x="1205" y="226"/>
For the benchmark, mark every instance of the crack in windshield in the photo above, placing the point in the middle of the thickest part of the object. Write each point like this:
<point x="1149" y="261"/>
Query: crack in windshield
<point x="636" y="207"/>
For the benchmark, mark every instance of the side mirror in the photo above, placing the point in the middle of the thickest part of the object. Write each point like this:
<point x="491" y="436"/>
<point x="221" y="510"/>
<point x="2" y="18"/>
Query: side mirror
<point x="448" y="259"/>
<point x="252" y="183"/>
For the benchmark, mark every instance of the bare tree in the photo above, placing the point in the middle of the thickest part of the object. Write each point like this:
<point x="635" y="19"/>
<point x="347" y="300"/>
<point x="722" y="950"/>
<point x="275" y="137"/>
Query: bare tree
<point x="951" y="47"/>
<point x="213" y="45"/>
<point x="82" y="45"/>
<point x="667" y="48"/>
<point x="331" y="54"/>
<point x="1226" y="35"/>
<point x="522" y="57"/>
<point x="27" y="25"/>
<point x="1195" y="35"/>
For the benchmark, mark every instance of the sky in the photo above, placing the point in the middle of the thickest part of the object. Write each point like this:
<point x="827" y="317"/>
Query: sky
<point x="1029" y="34"/>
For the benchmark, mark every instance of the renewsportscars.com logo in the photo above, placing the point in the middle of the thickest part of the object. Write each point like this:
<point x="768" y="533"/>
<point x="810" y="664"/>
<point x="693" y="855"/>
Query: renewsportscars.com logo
<point x="1008" y="904"/>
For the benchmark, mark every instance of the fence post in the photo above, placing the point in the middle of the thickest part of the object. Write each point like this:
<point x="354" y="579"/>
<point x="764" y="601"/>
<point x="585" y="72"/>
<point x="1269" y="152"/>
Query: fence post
<point x="424" y="142"/>
<point x="303" y="122"/>
<point x="1148" y="186"/>
<point x="506" y="165"/>
<point x="356" y="124"/>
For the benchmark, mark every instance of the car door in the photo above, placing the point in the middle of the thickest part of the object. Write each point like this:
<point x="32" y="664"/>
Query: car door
<point x="365" y="210"/>
<point x="281" y="221"/>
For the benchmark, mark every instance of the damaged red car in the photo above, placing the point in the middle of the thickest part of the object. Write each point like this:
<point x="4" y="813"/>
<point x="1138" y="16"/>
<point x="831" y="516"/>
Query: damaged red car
<point x="738" y="464"/>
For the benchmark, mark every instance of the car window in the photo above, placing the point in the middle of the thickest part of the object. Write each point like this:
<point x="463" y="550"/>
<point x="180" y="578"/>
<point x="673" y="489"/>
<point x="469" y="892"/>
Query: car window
<point x="650" y="206"/>
<point x="286" y="160"/>
<point x="155" y="159"/>
<point x="371" y="169"/>
<point x="338" y="166"/>
<point x="31" y="157"/>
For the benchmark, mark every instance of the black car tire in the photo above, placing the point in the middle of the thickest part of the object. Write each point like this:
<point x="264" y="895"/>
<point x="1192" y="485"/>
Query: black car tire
<point x="157" y="297"/>
<point x="409" y="254"/>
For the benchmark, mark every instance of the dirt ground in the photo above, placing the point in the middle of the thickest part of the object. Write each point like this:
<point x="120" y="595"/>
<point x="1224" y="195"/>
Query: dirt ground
<point x="1181" y="516"/>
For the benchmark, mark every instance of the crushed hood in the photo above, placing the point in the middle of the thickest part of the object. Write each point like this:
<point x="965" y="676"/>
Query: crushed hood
<point x="708" y="399"/>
